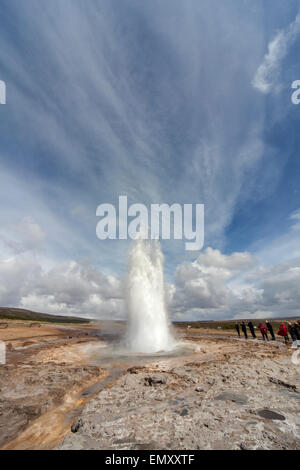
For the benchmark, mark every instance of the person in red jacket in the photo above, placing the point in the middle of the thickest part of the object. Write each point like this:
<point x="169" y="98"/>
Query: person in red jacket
<point x="264" y="331"/>
<point x="283" y="332"/>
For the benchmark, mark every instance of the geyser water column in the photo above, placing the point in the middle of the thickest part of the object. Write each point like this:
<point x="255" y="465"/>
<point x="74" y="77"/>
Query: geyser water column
<point x="148" y="326"/>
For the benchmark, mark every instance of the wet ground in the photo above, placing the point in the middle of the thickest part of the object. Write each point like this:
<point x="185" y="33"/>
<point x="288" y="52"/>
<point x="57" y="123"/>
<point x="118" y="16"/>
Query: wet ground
<point x="72" y="388"/>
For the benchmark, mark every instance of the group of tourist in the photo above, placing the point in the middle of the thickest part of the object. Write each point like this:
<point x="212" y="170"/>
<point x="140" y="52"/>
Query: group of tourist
<point x="293" y="329"/>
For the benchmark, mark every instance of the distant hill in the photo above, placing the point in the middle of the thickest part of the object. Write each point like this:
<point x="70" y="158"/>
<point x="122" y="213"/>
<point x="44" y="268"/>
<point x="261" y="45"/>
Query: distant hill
<point x="23" y="314"/>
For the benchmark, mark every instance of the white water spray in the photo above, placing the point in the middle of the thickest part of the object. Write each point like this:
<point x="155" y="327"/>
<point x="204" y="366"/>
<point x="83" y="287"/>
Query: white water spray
<point x="148" y="326"/>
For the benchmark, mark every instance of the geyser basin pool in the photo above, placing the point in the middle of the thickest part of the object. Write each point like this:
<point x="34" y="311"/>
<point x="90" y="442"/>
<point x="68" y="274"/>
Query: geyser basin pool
<point x="148" y="326"/>
<point x="108" y="354"/>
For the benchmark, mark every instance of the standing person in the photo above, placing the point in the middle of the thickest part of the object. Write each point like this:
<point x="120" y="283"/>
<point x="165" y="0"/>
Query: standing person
<point x="264" y="331"/>
<point x="293" y="333"/>
<point x="251" y="328"/>
<point x="270" y="328"/>
<point x="244" y="329"/>
<point x="237" y="327"/>
<point x="283" y="332"/>
<point x="297" y="330"/>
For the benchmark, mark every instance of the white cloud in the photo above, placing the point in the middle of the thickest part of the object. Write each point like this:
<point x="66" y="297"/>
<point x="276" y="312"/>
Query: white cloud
<point x="29" y="280"/>
<point x="214" y="286"/>
<point x="233" y="262"/>
<point x="267" y="75"/>
<point x="202" y="284"/>
<point x="18" y="275"/>
<point x="233" y="286"/>
<point x="69" y="288"/>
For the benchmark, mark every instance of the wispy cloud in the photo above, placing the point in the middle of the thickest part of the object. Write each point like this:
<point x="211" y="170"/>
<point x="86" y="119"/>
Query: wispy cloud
<point x="30" y="236"/>
<point x="111" y="103"/>
<point x="267" y="77"/>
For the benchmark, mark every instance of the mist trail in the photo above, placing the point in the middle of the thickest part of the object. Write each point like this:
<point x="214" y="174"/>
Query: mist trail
<point x="148" y="326"/>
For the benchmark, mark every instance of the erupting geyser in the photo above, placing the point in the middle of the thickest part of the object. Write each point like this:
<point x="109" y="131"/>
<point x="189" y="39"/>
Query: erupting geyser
<point x="148" y="326"/>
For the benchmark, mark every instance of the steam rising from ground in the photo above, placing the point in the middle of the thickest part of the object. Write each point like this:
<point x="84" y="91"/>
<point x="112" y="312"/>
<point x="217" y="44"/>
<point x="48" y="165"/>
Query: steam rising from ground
<point x="148" y="326"/>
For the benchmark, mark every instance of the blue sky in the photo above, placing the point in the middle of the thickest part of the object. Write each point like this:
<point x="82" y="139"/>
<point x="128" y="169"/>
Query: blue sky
<point x="171" y="101"/>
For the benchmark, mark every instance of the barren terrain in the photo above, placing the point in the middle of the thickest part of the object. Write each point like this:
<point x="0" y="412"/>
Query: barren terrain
<point x="60" y="390"/>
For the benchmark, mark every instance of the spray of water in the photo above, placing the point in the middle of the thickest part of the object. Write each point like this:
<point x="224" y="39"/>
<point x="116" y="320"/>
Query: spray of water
<point x="148" y="326"/>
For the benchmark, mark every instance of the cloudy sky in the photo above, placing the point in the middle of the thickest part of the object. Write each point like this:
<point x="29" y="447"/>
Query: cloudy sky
<point x="162" y="101"/>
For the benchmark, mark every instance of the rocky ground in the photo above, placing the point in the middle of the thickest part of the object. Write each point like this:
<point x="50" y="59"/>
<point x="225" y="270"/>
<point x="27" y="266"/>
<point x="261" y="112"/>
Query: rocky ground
<point x="43" y="372"/>
<point x="231" y="394"/>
